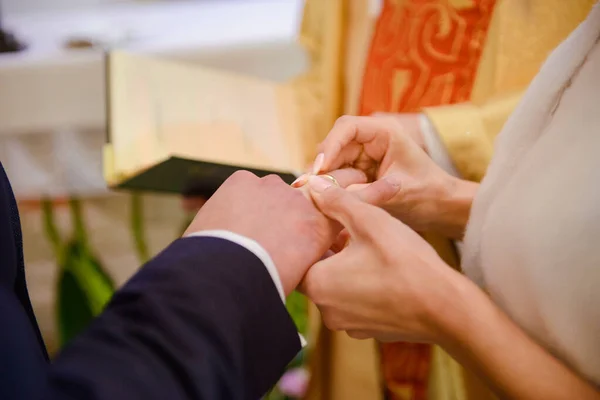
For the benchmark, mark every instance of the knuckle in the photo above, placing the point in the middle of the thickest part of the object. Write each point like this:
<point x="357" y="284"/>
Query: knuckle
<point x="387" y="124"/>
<point x="313" y="287"/>
<point x="353" y="334"/>
<point x="382" y="116"/>
<point x="349" y="176"/>
<point x="241" y="176"/>
<point x="345" y="121"/>
<point x="272" y="179"/>
<point x="314" y="284"/>
<point x="334" y="197"/>
<point x="358" y="335"/>
<point x="332" y="321"/>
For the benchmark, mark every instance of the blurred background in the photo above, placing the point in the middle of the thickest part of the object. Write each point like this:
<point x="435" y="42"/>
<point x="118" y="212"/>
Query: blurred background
<point x="452" y="71"/>
<point x="53" y="127"/>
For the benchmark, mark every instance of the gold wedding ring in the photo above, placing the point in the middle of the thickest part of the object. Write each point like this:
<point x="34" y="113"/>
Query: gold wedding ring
<point x="331" y="178"/>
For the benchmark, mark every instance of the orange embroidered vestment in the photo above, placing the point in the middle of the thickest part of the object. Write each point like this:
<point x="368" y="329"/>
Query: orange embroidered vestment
<point x="423" y="53"/>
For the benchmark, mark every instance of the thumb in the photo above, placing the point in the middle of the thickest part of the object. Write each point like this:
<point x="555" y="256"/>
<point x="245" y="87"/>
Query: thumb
<point x="340" y="205"/>
<point x="379" y="192"/>
<point x="320" y="274"/>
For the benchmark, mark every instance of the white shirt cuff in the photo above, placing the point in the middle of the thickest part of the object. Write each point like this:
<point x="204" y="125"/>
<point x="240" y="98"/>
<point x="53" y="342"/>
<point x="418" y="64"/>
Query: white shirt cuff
<point x="257" y="250"/>
<point x="438" y="153"/>
<point x="435" y="147"/>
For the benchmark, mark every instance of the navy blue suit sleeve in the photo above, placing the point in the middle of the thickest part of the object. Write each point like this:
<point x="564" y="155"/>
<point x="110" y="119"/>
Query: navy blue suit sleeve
<point x="203" y="320"/>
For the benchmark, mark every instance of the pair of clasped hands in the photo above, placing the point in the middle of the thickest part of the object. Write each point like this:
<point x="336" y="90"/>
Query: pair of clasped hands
<point x="350" y="243"/>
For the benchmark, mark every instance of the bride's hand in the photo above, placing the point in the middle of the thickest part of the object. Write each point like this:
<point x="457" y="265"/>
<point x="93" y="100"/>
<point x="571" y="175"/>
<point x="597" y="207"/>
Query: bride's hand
<point x="387" y="283"/>
<point x="382" y="145"/>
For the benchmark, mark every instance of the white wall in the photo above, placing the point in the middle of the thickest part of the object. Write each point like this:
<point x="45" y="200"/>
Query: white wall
<point x="20" y="6"/>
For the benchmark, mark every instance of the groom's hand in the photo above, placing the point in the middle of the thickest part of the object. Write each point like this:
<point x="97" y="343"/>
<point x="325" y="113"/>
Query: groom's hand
<point x="280" y="218"/>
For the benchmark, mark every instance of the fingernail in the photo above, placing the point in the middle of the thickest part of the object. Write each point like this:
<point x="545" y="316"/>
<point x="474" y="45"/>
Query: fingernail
<point x="318" y="163"/>
<point x="300" y="181"/>
<point x="318" y="184"/>
<point x="394" y="180"/>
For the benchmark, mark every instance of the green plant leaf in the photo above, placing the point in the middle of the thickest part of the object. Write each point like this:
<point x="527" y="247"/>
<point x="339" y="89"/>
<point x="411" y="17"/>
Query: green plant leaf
<point x="74" y="312"/>
<point x="83" y="291"/>
<point x="83" y="287"/>
<point x="51" y="230"/>
<point x="94" y="282"/>
<point x="77" y="220"/>
<point x="297" y="306"/>
<point x="137" y="227"/>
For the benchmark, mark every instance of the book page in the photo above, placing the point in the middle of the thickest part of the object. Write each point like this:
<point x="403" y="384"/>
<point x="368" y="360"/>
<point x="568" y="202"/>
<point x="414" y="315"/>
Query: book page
<point x="159" y="109"/>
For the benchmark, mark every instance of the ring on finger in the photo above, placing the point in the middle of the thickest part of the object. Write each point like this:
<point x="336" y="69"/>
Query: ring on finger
<point x="330" y="178"/>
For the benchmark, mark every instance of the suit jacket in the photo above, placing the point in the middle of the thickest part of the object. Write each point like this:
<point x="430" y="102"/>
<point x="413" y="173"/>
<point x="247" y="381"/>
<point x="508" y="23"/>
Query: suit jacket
<point x="203" y="320"/>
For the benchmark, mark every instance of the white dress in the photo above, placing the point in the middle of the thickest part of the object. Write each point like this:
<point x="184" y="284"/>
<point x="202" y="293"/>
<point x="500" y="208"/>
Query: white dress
<point x="533" y="240"/>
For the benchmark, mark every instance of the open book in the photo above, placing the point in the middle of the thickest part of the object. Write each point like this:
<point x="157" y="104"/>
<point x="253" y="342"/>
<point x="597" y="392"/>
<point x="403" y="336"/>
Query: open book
<point x="170" y="124"/>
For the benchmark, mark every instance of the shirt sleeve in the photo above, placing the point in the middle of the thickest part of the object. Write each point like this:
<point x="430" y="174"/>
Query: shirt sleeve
<point x="435" y="147"/>
<point x="438" y="153"/>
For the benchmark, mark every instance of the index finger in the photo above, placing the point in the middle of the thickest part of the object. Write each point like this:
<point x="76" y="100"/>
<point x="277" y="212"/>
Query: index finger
<point x="344" y="207"/>
<point x="351" y="136"/>
<point x="344" y="177"/>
